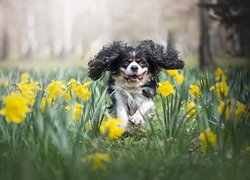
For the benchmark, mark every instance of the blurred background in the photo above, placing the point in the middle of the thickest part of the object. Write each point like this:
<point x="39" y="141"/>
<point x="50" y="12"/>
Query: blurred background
<point x="206" y="32"/>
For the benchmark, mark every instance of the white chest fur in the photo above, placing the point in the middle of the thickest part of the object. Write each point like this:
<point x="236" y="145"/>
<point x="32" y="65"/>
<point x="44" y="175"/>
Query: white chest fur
<point x="131" y="105"/>
<point x="131" y="98"/>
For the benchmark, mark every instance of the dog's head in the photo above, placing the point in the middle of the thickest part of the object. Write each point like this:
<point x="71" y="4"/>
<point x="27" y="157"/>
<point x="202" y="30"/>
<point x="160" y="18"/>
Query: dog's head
<point x="133" y="65"/>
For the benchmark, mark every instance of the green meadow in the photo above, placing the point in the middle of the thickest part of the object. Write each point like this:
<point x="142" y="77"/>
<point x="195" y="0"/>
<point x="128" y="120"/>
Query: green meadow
<point x="44" y="135"/>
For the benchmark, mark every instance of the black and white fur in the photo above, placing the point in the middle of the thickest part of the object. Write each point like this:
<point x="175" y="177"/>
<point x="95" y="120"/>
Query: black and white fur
<point x="133" y="76"/>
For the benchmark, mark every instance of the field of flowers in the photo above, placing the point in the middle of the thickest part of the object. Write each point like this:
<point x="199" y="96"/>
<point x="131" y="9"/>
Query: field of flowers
<point x="55" y="125"/>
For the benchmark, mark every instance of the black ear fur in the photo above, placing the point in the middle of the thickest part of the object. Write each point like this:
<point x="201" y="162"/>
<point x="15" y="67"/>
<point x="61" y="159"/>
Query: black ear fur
<point x="166" y="60"/>
<point x="170" y="60"/>
<point x="104" y="59"/>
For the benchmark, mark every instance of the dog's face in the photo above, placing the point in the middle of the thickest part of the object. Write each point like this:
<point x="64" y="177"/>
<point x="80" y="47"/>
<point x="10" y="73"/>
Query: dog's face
<point x="134" y="67"/>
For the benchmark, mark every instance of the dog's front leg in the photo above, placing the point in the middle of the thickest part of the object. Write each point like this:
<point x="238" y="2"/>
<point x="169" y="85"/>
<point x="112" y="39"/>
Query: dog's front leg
<point x="121" y="111"/>
<point x="138" y="117"/>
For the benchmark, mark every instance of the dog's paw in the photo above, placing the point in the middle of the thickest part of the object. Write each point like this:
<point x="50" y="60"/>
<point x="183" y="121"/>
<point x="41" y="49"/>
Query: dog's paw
<point x="137" y="118"/>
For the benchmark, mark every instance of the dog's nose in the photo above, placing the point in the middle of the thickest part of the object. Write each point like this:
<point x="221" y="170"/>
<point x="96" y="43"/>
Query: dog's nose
<point x="134" y="68"/>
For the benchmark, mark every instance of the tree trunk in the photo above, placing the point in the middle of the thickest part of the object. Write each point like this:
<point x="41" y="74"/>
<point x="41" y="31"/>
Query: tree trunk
<point x="171" y="40"/>
<point x="31" y="41"/>
<point x="67" y="29"/>
<point x="206" y="49"/>
<point x="5" y="47"/>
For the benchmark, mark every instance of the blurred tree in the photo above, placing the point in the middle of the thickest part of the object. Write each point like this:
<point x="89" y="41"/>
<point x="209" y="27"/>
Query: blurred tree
<point x="67" y="29"/>
<point x="4" y="30"/>
<point x="5" y="45"/>
<point x="206" y="48"/>
<point x="31" y="40"/>
<point x="171" y="40"/>
<point x="234" y="15"/>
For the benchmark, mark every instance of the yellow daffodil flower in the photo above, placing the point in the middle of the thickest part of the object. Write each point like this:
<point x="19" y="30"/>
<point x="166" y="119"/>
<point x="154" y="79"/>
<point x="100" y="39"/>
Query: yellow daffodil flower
<point x="207" y="137"/>
<point x="77" y="111"/>
<point x="165" y="88"/>
<point x="28" y="88"/>
<point x="195" y="90"/>
<point x="82" y="92"/>
<point x="25" y="77"/>
<point x="46" y="101"/>
<point x="16" y="107"/>
<point x="220" y="75"/>
<point x="4" y="83"/>
<point x="240" y="110"/>
<point x="179" y="78"/>
<point x="172" y="72"/>
<point x="247" y="148"/>
<point x="221" y="107"/>
<point x="191" y="105"/>
<point x="220" y="88"/>
<point x="113" y="127"/>
<point x="56" y="89"/>
<point x="98" y="160"/>
<point x="68" y="95"/>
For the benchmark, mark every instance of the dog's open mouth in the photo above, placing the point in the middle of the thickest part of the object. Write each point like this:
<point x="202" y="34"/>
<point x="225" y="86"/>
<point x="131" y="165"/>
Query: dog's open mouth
<point x="133" y="78"/>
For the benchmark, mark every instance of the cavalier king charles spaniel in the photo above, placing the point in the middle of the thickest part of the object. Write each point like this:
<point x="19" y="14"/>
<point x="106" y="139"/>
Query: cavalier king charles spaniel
<point x="133" y="76"/>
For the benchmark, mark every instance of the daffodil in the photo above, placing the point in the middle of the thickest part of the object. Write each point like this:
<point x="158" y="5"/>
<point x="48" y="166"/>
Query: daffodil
<point x="4" y="83"/>
<point x="72" y="83"/>
<point x="221" y="107"/>
<point x="25" y="77"/>
<point x="77" y="111"/>
<point x="247" y="148"/>
<point x="220" y="88"/>
<point x="68" y="95"/>
<point x="179" y="78"/>
<point x="172" y="72"/>
<point x="98" y="160"/>
<point x="207" y="137"/>
<point x="28" y="88"/>
<point x="86" y="84"/>
<point x="240" y="110"/>
<point x="229" y="108"/>
<point x="82" y="91"/>
<point x="191" y="109"/>
<point x="165" y="88"/>
<point x="67" y="108"/>
<point x="113" y="127"/>
<point x="16" y="107"/>
<point x="220" y="75"/>
<point x="46" y="101"/>
<point x="56" y="89"/>
<point x="195" y="90"/>
<point x="228" y="112"/>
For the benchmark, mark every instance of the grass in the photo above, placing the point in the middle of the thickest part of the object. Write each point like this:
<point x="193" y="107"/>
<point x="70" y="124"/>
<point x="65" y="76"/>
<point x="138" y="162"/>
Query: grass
<point x="51" y="145"/>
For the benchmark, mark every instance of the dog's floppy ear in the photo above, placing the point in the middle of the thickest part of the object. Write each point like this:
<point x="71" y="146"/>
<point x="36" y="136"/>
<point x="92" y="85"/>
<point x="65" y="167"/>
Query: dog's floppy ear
<point x="104" y="59"/>
<point x="167" y="60"/>
<point x="170" y="60"/>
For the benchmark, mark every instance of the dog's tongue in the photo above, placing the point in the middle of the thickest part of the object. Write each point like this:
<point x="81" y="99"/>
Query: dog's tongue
<point x="134" y="78"/>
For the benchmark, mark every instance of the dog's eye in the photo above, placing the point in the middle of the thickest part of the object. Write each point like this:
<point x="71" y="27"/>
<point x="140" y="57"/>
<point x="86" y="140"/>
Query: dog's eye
<point x="138" y="60"/>
<point x="130" y="60"/>
<point x="141" y="63"/>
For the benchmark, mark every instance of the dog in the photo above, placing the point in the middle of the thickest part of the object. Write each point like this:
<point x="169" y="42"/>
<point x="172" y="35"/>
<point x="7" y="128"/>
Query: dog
<point x="133" y="77"/>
